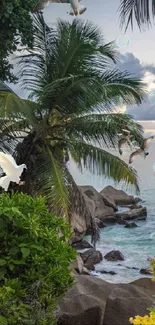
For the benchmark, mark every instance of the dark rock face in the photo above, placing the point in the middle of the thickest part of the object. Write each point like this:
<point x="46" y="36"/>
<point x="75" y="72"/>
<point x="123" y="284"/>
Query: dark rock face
<point x="108" y="272"/>
<point x="82" y="245"/>
<point x="91" y="256"/>
<point x="131" y="225"/>
<point x="131" y="214"/>
<point x="136" y="206"/>
<point x="114" y="256"/>
<point x="146" y="271"/>
<point x="100" y="223"/>
<point x="93" y="301"/>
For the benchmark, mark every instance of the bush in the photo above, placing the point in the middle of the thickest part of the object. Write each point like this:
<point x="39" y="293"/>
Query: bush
<point x="34" y="260"/>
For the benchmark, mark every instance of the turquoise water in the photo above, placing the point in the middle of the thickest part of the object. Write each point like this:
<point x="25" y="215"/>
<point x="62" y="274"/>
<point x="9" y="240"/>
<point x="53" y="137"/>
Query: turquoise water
<point x="135" y="244"/>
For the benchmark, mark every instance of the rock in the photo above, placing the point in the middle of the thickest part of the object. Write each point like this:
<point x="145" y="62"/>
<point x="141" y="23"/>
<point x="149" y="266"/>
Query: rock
<point x="114" y="256"/>
<point x="77" y="264"/>
<point x="75" y="239"/>
<point x="135" y="206"/>
<point x="145" y="283"/>
<point x="118" y="196"/>
<point x="109" y="201"/>
<point x="131" y="214"/>
<point x="101" y="210"/>
<point x="79" y="224"/>
<point x="100" y="223"/>
<point x="137" y="200"/>
<point x="119" y="310"/>
<point x="131" y="225"/>
<point x="110" y="219"/>
<point x="146" y="271"/>
<point x="89" y="265"/>
<point x="82" y="245"/>
<point x="121" y="221"/>
<point x="93" y="301"/>
<point x="85" y="271"/>
<point x="91" y="255"/>
<point x="108" y="272"/>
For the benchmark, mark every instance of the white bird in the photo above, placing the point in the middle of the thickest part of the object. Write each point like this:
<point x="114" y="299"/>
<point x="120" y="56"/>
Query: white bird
<point x="11" y="169"/>
<point x="141" y="150"/>
<point x="76" y="8"/>
<point x="124" y="138"/>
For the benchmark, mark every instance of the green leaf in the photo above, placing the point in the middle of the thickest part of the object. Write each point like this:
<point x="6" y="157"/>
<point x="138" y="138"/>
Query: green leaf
<point x="3" y="320"/>
<point x="25" y="251"/>
<point x="2" y="262"/>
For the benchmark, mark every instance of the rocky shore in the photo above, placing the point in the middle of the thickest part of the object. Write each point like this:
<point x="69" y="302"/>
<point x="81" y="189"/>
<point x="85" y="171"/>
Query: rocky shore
<point x="104" y="208"/>
<point x="91" y="300"/>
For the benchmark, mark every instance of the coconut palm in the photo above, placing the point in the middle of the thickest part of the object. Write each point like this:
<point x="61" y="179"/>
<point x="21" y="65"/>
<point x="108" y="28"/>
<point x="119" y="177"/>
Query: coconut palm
<point x="74" y="88"/>
<point x="142" y="10"/>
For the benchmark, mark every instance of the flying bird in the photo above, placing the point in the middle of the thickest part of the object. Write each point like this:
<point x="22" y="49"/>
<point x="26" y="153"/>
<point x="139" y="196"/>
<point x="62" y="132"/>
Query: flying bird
<point x="76" y="8"/>
<point x="11" y="169"/>
<point x="124" y="138"/>
<point x="141" y="151"/>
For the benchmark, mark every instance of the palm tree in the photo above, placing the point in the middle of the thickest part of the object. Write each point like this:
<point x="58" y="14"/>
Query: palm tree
<point x="74" y="84"/>
<point x="142" y="10"/>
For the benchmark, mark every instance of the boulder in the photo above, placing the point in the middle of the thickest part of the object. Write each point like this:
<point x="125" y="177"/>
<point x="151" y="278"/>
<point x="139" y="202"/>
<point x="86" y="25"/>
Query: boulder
<point x="114" y="256"/>
<point x="137" y="200"/>
<point x="91" y="255"/>
<point x="100" y="223"/>
<point x="131" y="225"/>
<point x="109" y="200"/>
<point x="131" y="214"/>
<point x="77" y="264"/>
<point x="93" y="301"/>
<point x="82" y="244"/>
<point x="145" y="283"/>
<point x="101" y="209"/>
<point x="85" y="271"/>
<point x="118" y="196"/>
<point x="75" y="239"/>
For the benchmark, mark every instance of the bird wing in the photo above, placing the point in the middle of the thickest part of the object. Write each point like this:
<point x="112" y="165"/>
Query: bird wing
<point x="5" y="182"/>
<point x="7" y="163"/>
<point x="126" y="132"/>
<point x="42" y="3"/>
<point x="133" y="155"/>
<point x="146" y="142"/>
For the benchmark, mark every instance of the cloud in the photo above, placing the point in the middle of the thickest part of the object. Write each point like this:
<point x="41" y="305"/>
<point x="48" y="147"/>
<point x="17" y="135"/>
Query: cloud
<point x="128" y="62"/>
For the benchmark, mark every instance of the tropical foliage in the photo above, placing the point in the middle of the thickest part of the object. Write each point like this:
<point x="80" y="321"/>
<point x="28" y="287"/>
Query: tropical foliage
<point x="16" y="31"/>
<point x="34" y="260"/>
<point x="75" y="86"/>
<point x="142" y="10"/>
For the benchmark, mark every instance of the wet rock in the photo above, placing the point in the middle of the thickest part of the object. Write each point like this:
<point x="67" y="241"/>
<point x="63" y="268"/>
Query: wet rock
<point x="85" y="271"/>
<point x="100" y="223"/>
<point x="108" y="272"/>
<point x="75" y="239"/>
<point x="131" y="225"/>
<point x="137" y="200"/>
<point x="136" y="206"/>
<point x="82" y="245"/>
<point x="131" y="214"/>
<point x="92" y="256"/>
<point x="118" y="196"/>
<point x="109" y="200"/>
<point x="110" y="219"/>
<point x="89" y="265"/>
<point x="146" y="271"/>
<point x="114" y="256"/>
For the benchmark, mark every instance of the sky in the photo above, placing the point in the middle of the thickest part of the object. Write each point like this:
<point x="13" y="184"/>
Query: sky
<point x="137" y="49"/>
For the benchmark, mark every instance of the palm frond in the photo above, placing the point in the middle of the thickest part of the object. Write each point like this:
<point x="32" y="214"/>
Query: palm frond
<point x="141" y="10"/>
<point x="101" y="162"/>
<point x="53" y="183"/>
<point x="104" y="128"/>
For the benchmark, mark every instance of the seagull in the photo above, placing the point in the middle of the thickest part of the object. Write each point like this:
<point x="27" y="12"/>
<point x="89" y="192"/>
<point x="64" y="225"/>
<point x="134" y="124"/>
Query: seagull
<point x="141" y="150"/>
<point x="76" y="8"/>
<point x="125" y="137"/>
<point x="11" y="169"/>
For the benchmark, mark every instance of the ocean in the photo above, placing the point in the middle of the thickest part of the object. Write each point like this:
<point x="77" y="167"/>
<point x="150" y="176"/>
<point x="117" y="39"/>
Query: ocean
<point x="135" y="244"/>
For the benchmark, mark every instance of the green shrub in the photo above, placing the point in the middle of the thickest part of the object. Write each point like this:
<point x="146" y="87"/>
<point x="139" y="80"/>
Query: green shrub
<point x="34" y="260"/>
